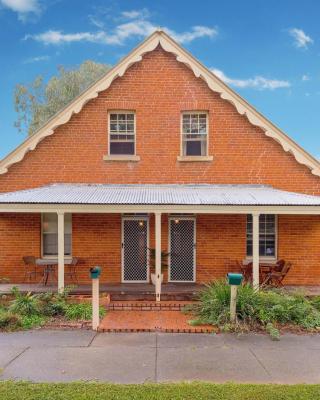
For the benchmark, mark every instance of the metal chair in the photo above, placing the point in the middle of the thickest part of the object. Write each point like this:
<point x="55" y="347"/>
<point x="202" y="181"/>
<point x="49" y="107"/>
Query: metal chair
<point x="30" y="268"/>
<point x="71" y="270"/>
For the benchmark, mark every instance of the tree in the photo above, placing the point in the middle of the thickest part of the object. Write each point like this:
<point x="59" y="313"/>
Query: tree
<point x="36" y="102"/>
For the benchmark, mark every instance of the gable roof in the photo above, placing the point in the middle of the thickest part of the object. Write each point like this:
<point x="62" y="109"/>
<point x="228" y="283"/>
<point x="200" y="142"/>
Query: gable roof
<point x="161" y="38"/>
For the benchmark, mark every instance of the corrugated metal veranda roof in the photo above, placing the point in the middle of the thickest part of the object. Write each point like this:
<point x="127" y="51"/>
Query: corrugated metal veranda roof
<point x="202" y="194"/>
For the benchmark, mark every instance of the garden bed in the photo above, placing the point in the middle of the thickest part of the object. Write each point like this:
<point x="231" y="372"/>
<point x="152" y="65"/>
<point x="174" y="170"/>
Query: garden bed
<point x="45" y="310"/>
<point x="271" y="311"/>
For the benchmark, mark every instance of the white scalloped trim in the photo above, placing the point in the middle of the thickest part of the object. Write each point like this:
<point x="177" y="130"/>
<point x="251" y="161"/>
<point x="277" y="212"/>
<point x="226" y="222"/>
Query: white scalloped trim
<point x="214" y="83"/>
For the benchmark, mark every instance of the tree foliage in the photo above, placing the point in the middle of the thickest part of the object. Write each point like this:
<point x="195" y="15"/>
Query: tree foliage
<point x="36" y="102"/>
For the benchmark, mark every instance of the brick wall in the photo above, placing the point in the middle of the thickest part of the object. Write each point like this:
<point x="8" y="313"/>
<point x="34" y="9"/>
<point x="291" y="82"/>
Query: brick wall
<point x="221" y="239"/>
<point x="158" y="89"/>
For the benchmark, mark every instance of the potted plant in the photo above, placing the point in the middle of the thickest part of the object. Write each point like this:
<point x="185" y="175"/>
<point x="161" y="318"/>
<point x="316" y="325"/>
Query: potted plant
<point x="152" y="264"/>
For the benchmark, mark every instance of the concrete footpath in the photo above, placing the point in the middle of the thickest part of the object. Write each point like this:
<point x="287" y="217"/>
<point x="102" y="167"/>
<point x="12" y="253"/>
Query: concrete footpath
<point x="63" y="356"/>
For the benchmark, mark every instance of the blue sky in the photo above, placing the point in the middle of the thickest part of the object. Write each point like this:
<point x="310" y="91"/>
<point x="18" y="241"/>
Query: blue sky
<point x="268" y="51"/>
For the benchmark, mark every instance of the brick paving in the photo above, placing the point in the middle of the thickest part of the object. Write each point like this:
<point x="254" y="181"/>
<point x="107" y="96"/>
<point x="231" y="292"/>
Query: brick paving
<point x="150" y="317"/>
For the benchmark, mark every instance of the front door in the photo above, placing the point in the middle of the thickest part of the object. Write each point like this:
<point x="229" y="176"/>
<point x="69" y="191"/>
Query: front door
<point x="182" y="240"/>
<point x="135" y="232"/>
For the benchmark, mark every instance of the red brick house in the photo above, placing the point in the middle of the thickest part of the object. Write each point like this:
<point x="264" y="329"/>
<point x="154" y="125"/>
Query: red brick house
<point x="160" y="153"/>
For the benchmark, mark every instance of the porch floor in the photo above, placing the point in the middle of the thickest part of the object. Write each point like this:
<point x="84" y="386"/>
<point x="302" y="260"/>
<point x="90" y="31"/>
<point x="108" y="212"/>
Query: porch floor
<point x="118" y="291"/>
<point x="136" y="289"/>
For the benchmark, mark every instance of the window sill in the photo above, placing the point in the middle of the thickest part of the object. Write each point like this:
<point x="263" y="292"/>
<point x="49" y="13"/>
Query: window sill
<point x="194" y="158"/>
<point x="121" y="158"/>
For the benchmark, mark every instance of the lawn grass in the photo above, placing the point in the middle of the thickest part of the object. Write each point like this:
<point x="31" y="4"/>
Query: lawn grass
<point x="10" y="390"/>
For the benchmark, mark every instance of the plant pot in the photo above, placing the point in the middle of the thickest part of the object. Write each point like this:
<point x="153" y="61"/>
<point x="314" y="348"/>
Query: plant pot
<point x="153" y="278"/>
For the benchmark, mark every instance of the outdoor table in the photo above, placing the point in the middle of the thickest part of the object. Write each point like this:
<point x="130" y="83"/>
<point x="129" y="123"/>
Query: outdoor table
<point x="49" y="267"/>
<point x="264" y="268"/>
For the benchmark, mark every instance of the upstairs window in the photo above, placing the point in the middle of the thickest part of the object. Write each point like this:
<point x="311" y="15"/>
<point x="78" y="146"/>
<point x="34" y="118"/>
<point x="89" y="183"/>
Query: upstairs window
<point x="267" y="235"/>
<point x="122" y="133"/>
<point x="50" y="234"/>
<point x="194" y="133"/>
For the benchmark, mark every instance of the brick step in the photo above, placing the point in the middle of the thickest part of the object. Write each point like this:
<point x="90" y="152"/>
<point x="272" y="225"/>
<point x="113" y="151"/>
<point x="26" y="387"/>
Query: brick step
<point x="159" y="330"/>
<point x="151" y="296"/>
<point x="147" y="305"/>
<point x="151" y="321"/>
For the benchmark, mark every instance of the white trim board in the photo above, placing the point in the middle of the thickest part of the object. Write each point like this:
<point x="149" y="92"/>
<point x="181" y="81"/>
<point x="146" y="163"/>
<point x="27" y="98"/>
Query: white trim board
<point x="159" y="37"/>
<point x="165" y="209"/>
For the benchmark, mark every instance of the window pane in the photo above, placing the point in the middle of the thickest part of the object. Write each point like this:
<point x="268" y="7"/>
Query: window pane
<point x="124" y="148"/>
<point x="267" y="235"/>
<point x="50" y="234"/>
<point x="193" y="148"/>
<point x="130" y="127"/>
<point x="50" y="244"/>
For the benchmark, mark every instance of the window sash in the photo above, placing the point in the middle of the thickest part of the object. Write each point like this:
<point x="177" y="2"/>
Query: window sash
<point x="267" y="236"/>
<point x="50" y="235"/>
<point x="194" y="129"/>
<point x="122" y="130"/>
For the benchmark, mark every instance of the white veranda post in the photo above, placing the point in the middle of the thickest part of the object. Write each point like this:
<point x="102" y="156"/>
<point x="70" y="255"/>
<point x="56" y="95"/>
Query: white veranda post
<point x="60" y="251"/>
<point x="255" y="251"/>
<point x="158" y="255"/>
<point x="95" y="304"/>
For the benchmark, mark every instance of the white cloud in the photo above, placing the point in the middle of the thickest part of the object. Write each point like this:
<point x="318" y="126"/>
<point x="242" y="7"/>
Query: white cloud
<point x="258" y="82"/>
<point x="134" y="14"/>
<point x="195" y="32"/>
<point x="137" y="25"/>
<point x="305" y="78"/>
<point x="96" y="21"/>
<point x="23" y="8"/>
<point x="301" y="39"/>
<point x="36" y="59"/>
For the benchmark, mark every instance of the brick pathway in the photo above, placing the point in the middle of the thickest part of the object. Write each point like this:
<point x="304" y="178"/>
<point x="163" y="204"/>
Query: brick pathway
<point x="149" y="317"/>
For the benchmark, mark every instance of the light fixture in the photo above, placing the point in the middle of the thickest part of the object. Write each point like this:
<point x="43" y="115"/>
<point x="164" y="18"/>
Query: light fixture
<point x="140" y="223"/>
<point x="176" y="221"/>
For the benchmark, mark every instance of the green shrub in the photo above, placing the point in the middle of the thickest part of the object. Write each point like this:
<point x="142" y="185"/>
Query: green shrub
<point x="24" y="303"/>
<point x="261" y="307"/>
<point x="52" y="304"/>
<point x="32" y="321"/>
<point x="81" y="311"/>
<point x="316" y="302"/>
<point x="273" y="331"/>
<point x="9" y="321"/>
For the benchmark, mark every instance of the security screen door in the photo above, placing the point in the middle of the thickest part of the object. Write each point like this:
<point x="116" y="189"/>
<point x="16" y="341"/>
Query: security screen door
<point x="135" y="249"/>
<point x="182" y="249"/>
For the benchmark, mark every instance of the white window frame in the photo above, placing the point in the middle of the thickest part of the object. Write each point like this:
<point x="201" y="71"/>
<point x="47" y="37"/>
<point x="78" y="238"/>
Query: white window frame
<point x="135" y="132"/>
<point x="185" y="217"/>
<point x="42" y="247"/>
<point x="265" y="258"/>
<point x="182" y="133"/>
